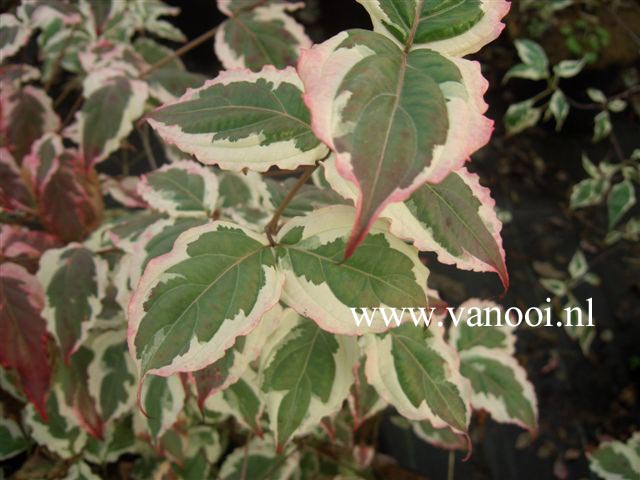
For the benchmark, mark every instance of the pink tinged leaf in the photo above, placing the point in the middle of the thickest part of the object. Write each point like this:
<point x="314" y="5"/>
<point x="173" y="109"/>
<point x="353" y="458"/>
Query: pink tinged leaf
<point x="394" y="120"/>
<point x="123" y="190"/>
<point x="41" y="161"/>
<point x="25" y="115"/>
<point x="23" y="334"/>
<point x="15" y="194"/>
<point x="24" y="246"/>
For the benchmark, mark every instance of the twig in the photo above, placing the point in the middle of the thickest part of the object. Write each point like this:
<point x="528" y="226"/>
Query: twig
<point x="74" y="108"/>
<point x="181" y="51"/>
<point x="452" y="465"/>
<point x="146" y="145"/>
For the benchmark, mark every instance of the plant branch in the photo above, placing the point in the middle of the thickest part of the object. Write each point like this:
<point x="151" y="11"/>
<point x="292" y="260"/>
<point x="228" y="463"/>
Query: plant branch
<point x="272" y="227"/>
<point x="181" y="51"/>
<point x="143" y="131"/>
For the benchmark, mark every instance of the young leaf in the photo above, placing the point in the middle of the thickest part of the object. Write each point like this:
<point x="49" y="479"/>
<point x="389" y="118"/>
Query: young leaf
<point x="615" y="460"/>
<point x="255" y="36"/>
<point x="532" y="54"/>
<point x="578" y="265"/>
<point x="569" y="68"/>
<point x="452" y="28"/>
<point x="112" y="105"/>
<point x="111" y="374"/>
<point x="25" y="115"/>
<point x="243" y="120"/>
<point x="74" y="280"/>
<point x="192" y="303"/>
<point x="384" y="271"/>
<point x="620" y="199"/>
<point x="521" y="116"/>
<point x="146" y="16"/>
<point x="181" y="189"/>
<point x="601" y="126"/>
<point x="395" y="120"/>
<point x="418" y="373"/>
<point x="306" y="375"/>
<point x="23" y="333"/>
<point x="456" y="218"/>
<point x="559" y="107"/>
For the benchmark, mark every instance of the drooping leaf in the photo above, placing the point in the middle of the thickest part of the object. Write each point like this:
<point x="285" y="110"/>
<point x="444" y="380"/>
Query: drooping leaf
<point x="444" y="437"/>
<point x="456" y="218"/>
<point x="111" y="374"/>
<point x="306" y="374"/>
<point x="243" y="120"/>
<point x="192" y="303"/>
<point x="74" y="281"/>
<point x="107" y="115"/>
<point x="259" y="35"/>
<point x="414" y="370"/>
<point x="615" y="460"/>
<point x="23" y="333"/>
<point x="25" y="115"/>
<point x="395" y="120"/>
<point x="181" y="189"/>
<point x="228" y="369"/>
<point x="450" y="27"/>
<point x="384" y="271"/>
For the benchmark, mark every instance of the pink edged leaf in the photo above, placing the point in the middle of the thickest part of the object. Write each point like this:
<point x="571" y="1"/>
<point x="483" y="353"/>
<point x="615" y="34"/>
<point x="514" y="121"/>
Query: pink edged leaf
<point x="24" y="246"/>
<point x="70" y="202"/>
<point x="23" y="333"/>
<point x="452" y="28"/>
<point x="25" y="115"/>
<point x="74" y="281"/>
<point x="242" y="119"/>
<point x="123" y="190"/>
<point x="394" y="119"/>
<point x="15" y="194"/>
<point x="259" y="34"/>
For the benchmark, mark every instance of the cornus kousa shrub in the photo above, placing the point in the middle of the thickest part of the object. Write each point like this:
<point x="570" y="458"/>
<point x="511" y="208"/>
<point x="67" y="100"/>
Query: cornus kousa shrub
<point x="202" y="317"/>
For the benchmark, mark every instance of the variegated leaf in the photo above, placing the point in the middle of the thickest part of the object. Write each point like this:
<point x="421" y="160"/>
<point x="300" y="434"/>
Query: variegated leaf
<point x="440" y="437"/>
<point x="384" y="272"/>
<point x="107" y="116"/>
<point x="228" y="369"/>
<point x="17" y="74"/>
<point x="74" y="280"/>
<point x="162" y="399"/>
<point x="147" y="13"/>
<point x="14" y="34"/>
<point x="243" y="400"/>
<point x="192" y="303"/>
<point x="259" y="460"/>
<point x="306" y="374"/>
<point x="118" y="440"/>
<point x="181" y="188"/>
<point x="12" y="440"/>
<point x="450" y="27"/>
<point x="126" y="230"/>
<point x="40" y="163"/>
<point x="242" y="120"/>
<point x="25" y="115"/>
<point x="615" y="460"/>
<point x="80" y="471"/>
<point x="111" y="374"/>
<point x="414" y="370"/>
<point x="60" y="432"/>
<point x="23" y="333"/>
<point x="15" y="193"/>
<point x="456" y="218"/>
<point x="260" y="34"/>
<point x="123" y="190"/>
<point x="307" y="199"/>
<point x="364" y="401"/>
<point x="477" y="326"/>
<point x="394" y="119"/>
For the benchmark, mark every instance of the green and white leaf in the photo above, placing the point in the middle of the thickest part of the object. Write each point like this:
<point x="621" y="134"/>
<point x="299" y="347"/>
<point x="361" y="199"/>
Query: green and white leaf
<point x="259" y="460"/>
<point x="500" y="386"/>
<point x="80" y="471"/>
<point x="112" y="378"/>
<point x="452" y="28"/>
<point x="478" y="322"/>
<point x="533" y="55"/>
<point x="191" y="304"/>
<point x="617" y="460"/>
<point x="12" y="440"/>
<point x="306" y="374"/>
<point x="559" y="107"/>
<point x="243" y="120"/>
<point x="61" y="433"/>
<point x="596" y="95"/>
<point x="572" y="314"/>
<point x="383" y="272"/>
<point x="263" y="35"/>
<point x="569" y="68"/>
<point x="620" y="200"/>
<point x="75" y="282"/>
<point x="588" y="192"/>
<point x="601" y="126"/>
<point x="578" y="265"/>
<point x="521" y="116"/>
<point x="118" y="439"/>
<point x="181" y="189"/>
<point x="162" y="398"/>
<point x="415" y="370"/>
<point x="444" y="437"/>
<point x="364" y="401"/>
<point x="14" y="34"/>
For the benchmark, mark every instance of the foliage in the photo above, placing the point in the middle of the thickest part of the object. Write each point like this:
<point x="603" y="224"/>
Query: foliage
<point x="211" y="310"/>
